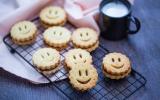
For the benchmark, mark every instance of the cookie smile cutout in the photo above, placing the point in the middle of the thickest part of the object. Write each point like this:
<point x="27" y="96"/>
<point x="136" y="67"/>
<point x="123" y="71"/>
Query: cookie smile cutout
<point x="116" y="66"/>
<point x="51" y="17"/>
<point x="84" y="82"/>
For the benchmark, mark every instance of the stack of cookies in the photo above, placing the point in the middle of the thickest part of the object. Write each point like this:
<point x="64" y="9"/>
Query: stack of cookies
<point x="85" y="38"/>
<point x="57" y="37"/>
<point x="46" y="60"/>
<point x="116" y="66"/>
<point x="53" y="16"/>
<point x="24" y="33"/>
<point x="82" y="74"/>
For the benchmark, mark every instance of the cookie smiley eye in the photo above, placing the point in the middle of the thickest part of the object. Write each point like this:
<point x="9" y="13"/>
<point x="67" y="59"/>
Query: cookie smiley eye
<point x="48" y="54"/>
<point x="86" y="72"/>
<point x="119" y="59"/>
<point x="50" y="11"/>
<point x="56" y="12"/>
<point x="74" y="57"/>
<point x="60" y="33"/>
<point x="81" y="34"/>
<point x="80" y="73"/>
<point x="112" y="59"/>
<point x="87" y="34"/>
<point x="25" y="26"/>
<point x="80" y="55"/>
<point x="19" y="28"/>
<point x="54" y="32"/>
<point x="42" y="56"/>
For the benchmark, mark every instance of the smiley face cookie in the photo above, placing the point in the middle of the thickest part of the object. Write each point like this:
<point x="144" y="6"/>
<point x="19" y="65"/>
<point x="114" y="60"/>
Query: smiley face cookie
<point x="46" y="60"/>
<point x="83" y="77"/>
<point x="57" y="37"/>
<point x="77" y="56"/>
<point x="23" y="33"/>
<point x="116" y="66"/>
<point x="85" y="38"/>
<point x="53" y="16"/>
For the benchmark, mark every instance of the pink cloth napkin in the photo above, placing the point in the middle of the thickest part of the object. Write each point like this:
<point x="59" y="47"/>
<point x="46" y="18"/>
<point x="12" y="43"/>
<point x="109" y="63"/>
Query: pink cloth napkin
<point x="21" y="13"/>
<point x="81" y="13"/>
<point x="84" y="13"/>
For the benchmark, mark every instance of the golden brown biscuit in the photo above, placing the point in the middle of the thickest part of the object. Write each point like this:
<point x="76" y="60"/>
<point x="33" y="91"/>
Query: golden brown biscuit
<point x="116" y="64"/>
<point x="46" y="59"/>
<point x="57" y="37"/>
<point x="83" y="77"/>
<point x="85" y="38"/>
<point x="76" y="56"/>
<point x="23" y="33"/>
<point x="53" y="16"/>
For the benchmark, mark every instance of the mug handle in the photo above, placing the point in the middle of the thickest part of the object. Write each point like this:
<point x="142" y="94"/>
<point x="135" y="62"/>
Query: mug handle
<point x="137" y="24"/>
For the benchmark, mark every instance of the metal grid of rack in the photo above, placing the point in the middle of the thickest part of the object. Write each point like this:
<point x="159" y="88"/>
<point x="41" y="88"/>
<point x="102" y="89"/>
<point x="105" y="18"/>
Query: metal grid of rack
<point x="106" y="89"/>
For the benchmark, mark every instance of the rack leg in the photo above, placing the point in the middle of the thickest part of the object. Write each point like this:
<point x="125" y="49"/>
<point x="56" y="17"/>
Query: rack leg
<point x="12" y="51"/>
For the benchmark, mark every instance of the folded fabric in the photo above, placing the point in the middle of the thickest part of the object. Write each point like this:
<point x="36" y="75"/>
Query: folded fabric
<point x="21" y="13"/>
<point x="84" y="13"/>
<point x="81" y="13"/>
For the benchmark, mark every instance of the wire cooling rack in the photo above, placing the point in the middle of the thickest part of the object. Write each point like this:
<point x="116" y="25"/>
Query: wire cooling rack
<point x="106" y="89"/>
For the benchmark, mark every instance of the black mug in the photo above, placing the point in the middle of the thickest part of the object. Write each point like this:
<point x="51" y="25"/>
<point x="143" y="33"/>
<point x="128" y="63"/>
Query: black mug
<point x="117" y="28"/>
